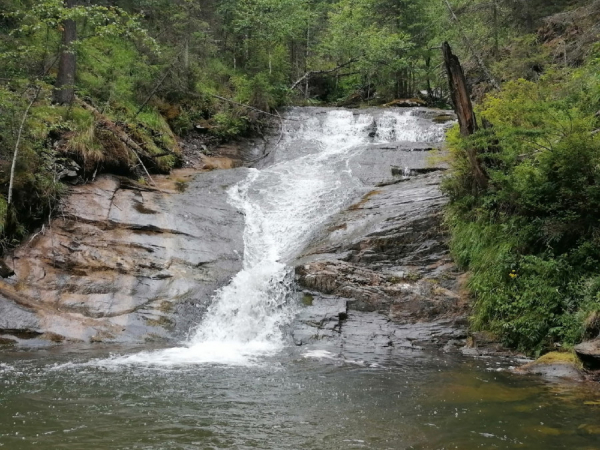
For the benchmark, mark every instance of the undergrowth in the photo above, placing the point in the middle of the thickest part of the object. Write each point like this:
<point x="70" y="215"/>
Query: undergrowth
<point x="532" y="239"/>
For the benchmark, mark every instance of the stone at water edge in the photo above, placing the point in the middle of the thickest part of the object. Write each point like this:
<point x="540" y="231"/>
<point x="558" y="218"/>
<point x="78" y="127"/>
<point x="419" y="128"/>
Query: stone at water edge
<point x="555" y="365"/>
<point x="589" y="353"/>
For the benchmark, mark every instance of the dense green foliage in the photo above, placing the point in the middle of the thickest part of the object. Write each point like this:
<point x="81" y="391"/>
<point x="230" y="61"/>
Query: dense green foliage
<point x="532" y="239"/>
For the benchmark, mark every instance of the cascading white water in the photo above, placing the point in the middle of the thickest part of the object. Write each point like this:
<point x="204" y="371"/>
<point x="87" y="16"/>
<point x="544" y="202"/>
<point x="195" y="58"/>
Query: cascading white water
<point x="283" y="205"/>
<point x="392" y="127"/>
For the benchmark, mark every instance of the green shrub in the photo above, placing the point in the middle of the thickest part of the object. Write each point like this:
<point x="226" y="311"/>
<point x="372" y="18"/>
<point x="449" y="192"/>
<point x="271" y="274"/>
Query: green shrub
<point x="229" y="124"/>
<point x="532" y="239"/>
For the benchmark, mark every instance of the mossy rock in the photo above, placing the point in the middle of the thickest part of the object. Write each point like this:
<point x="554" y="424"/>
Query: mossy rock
<point x="564" y="365"/>
<point x="443" y="118"/>
<point x="307" y="300"/>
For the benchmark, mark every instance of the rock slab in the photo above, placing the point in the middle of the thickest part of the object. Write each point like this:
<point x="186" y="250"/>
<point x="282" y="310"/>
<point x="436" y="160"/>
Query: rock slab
<point x="125" y="262"/>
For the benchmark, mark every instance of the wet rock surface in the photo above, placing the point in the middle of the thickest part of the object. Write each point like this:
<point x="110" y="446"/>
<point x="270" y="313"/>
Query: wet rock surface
<point x="589" y="353"/>
<point x="128" y="262"/>
<point x="555" y="370"/>
<point x="388" y="253"/>
<point x="387" y="256"/>
<point x="329" y="321"/>
<point x="125" y="262"/>
<point x="556" y="365"/>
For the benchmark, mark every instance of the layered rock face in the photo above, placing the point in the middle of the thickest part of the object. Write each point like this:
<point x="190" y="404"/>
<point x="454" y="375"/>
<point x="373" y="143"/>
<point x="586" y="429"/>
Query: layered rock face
<point x="387" y="253"/>
<point x="124" y="261"/>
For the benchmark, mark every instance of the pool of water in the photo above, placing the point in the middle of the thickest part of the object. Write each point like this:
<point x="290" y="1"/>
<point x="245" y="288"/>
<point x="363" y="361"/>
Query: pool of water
<point x="72" y="399"/>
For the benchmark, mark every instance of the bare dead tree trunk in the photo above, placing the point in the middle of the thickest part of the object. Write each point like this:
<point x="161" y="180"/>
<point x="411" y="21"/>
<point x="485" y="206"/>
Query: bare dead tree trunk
<point x="64" y="90"/>
<point x="464" y="110"/>
<point x="18" y="143"/>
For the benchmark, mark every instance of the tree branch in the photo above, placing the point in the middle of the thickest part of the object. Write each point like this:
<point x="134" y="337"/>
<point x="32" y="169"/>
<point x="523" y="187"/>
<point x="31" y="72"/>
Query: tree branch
<point x="159" y="84"/>
<point x="247" y="106"/>
<point x="488" y="74"/>
<point x="320" y="72"/>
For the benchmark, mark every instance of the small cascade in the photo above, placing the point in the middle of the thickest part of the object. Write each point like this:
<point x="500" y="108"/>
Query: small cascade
<point x="284" y="205"/>
<point x="395" y="127"/>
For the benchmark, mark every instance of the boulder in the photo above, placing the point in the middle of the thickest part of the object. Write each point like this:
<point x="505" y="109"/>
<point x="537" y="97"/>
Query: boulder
<point x="589" y="353"/>
<point x="555" y="365"/>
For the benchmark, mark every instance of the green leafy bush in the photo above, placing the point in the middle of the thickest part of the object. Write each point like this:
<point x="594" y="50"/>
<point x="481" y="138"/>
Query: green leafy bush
<point x="532" y="239"/>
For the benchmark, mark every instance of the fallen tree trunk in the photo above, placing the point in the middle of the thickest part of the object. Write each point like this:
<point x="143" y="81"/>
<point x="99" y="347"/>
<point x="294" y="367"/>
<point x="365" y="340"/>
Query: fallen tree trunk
<point x="464" y="110"/>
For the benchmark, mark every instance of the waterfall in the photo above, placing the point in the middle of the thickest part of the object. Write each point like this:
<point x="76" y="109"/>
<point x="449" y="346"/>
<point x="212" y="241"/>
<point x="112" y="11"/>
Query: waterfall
<point x="284" y="205"/>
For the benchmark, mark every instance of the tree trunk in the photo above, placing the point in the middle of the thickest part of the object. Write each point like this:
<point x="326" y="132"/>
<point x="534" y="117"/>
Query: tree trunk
<point x="496" y="31"/>
<point x="428" y="71"/>
<point x="464" y="110"/>
<point x="64" y="90"/>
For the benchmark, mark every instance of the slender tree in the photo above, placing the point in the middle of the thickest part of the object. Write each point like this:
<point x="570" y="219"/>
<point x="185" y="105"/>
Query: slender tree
<point x="64" y="90"/>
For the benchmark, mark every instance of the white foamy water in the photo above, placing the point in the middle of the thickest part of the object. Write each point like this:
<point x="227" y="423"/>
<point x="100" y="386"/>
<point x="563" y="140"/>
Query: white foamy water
<point x="284" y="205"/>
<point x="392" y="126"/>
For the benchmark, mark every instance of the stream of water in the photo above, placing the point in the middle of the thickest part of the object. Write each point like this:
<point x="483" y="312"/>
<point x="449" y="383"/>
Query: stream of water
<point x="237" y="382"/>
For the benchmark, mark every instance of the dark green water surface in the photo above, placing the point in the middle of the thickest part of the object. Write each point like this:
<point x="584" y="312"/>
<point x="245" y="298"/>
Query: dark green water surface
<point x="57" y="399"/>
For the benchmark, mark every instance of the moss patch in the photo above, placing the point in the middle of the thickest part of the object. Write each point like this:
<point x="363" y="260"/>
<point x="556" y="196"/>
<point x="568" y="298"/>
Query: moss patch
<point x="53" y="337"/>
<point x="560" y="358"/>
<point x="162" y="322"/>
<point x="307" y="300"/>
